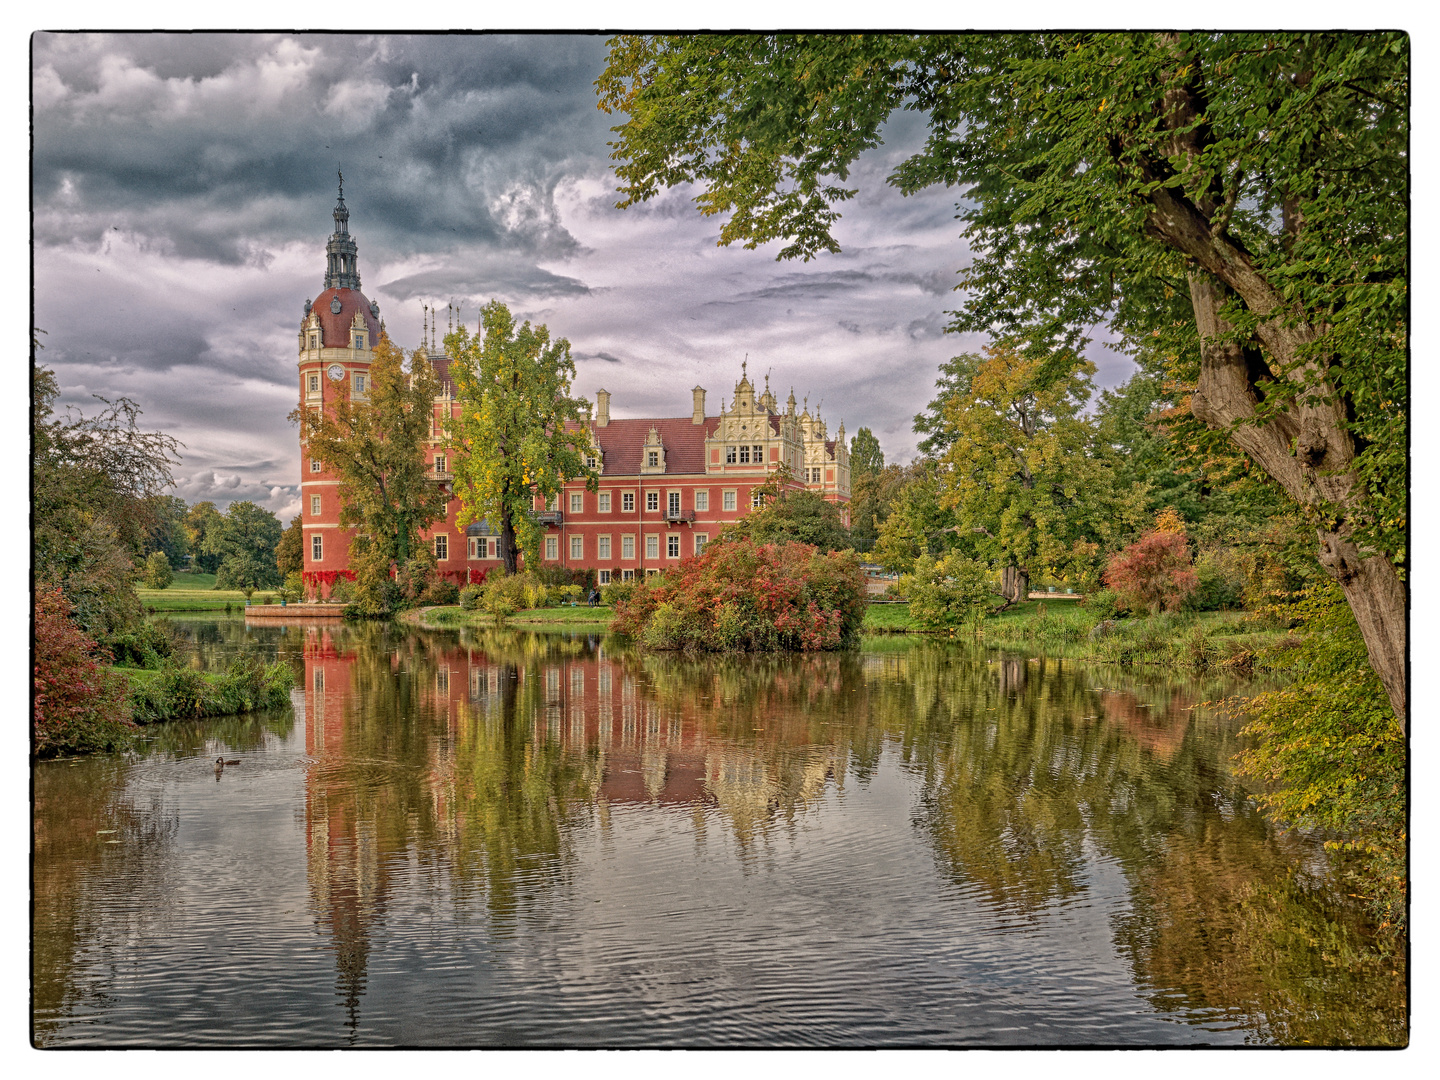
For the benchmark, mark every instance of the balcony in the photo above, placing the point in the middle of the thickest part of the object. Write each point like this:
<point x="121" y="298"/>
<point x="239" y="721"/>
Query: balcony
<point x="675" y="517"/>
<point x="551" y="517"/>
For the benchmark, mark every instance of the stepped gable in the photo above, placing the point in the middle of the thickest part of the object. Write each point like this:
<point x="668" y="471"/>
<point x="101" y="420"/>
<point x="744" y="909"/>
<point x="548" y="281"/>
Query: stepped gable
<point x="624" y="440"/>
<point x="335" y="326"/>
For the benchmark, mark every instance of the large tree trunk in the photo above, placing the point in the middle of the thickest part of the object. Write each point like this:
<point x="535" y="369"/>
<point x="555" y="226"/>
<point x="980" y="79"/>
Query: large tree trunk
<point x="507" y="540"/>
<point x="1309" y="453"/>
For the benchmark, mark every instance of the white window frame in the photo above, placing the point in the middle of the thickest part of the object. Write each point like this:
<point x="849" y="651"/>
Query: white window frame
<point x="672" y="546"/>
<point x="652" y="501"/>
<point x="652" y="545"/>
<point x="314" y="505"/>
<point x="577" y="502"/>
<point x="359" y="342"/>
<point x="602" y="545"/>
<point x="728" y="501"/>
<point x="627" y="503"/>
<point x="745" y="454"/>
<point x="315" y="465"/>
<point x="603" y="577"/>
<point x="702" y="500"/>
<point x="577" y="547"/>
<point x="604" y="502"/>
<point x="627" y="575"/>
<point x="313" y="383"/>
<point x="442" y="463"/>
<point x="652" y="459"/>
<point x="627" y="546"/>
<point x="651" y="571"/>
<point x="729" y="455"/>
<point x="317" y="548"/>
<point x="359" y="383"/>
<point x="672" y="502"/>
<point x="440" y="543"/>
<point x="552" y="548"/>
<point x="759" y="454"/>
<point x="701" y="539"/>
<point x="755" y="498"/>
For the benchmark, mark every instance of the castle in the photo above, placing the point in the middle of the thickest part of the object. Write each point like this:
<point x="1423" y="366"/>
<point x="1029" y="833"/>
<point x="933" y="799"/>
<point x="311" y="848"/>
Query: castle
<point x="668" y="485"/>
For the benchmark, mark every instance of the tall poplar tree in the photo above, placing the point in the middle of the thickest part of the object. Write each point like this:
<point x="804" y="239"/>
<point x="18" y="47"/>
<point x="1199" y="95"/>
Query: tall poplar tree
<point x="1239" y="199"/>
<point x="377" y="446"/>
<point x="520" y="433"/>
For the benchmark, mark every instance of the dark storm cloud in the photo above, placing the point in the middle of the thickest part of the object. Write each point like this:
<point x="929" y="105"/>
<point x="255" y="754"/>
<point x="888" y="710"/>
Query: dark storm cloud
<point x="219" y="146"/>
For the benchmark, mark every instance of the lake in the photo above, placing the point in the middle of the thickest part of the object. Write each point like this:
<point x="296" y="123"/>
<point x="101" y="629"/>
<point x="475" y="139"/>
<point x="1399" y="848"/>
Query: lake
<point x="490" y="838"/>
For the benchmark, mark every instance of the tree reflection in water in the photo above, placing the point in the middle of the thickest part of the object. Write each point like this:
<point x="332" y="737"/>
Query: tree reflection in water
<point x="467" y="769"/>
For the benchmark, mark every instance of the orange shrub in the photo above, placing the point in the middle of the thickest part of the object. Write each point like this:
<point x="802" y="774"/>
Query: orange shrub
<point x="78" y="704"/>
<point x="1153" y="573"/>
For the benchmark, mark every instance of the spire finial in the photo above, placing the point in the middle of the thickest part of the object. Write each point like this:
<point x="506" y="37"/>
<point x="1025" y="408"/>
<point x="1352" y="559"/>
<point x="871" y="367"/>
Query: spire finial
<point x="744" y="364"/>
<point x="341" y="175"/>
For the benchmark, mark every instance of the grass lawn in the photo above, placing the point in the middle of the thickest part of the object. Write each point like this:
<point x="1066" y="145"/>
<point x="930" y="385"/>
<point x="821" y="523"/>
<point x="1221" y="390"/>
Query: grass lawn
<point x="197" y="592"/>
<point x="888" y="619"/>
<point x="141" y="676"/>
<point x="583" y="617"/>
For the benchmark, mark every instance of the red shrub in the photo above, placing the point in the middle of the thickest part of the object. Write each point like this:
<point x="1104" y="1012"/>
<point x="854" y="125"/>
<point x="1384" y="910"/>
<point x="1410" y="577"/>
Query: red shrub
<point x="78" y="705"/>
<point x="748" y="596"/>
<point x="1153" y="573"/>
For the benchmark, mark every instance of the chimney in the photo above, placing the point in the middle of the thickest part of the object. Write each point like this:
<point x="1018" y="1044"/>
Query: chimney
<point x="699" y="395"/>
<point x="602" y="408"/>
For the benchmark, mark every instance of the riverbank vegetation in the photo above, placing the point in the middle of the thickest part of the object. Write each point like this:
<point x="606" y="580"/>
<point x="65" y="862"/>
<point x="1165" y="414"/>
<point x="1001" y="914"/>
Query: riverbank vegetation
<point x="103" y="525"/>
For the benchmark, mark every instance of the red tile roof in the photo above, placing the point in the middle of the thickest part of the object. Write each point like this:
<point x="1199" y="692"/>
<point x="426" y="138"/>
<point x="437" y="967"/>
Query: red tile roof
<point x="335" y="328"/>
<point x="623" y="443"/>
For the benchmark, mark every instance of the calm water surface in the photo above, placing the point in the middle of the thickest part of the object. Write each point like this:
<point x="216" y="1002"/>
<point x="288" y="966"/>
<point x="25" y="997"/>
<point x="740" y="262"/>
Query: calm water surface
<point x="489" y="838"/>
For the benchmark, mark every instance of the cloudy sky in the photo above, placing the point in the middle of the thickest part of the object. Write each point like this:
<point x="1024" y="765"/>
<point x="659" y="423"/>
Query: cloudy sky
<point x="182" y="194"/>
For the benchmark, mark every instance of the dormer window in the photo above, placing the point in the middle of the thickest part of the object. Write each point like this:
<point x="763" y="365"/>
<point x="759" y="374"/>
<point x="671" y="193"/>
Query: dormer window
<point x="314" y="341"/>
<point x="652" y="458"/>
<point x="590" y="461"/>
<point x="359" y="342"/>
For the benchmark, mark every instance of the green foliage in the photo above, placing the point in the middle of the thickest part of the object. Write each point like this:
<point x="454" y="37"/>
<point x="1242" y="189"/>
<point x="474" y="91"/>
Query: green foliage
<point x="740" y="595"/>
<point x="520" y="433"/>
<point x="617" y="591"/>
<point x="146" y="645"/>
<point x="294" y="588"/>
<point x="374" y="593"/>
<point x="78" y="705"/>
<point x="179" y="693"/>
<point x="790" y="515"/>
<point x="203" y="524"/>
<point x="157" y="571"/>
<point x="866" y="457"/>
<point x="948" y="593"/>
<point x="245" y="542"/>
<point x="917" y="524"/>
<point x="95" y="492"/>
<point x="1024" y="474"/>
<point x="290" y="551"/>
<point x="470" y="597"/>
<point x="872" y="498"/>
<point x="1332" y="753"/>
<point x="164" y="522"/>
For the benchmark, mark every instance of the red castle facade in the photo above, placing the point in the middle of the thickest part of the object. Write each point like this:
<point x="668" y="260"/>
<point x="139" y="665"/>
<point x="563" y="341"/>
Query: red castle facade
<point x="667" y="485"/>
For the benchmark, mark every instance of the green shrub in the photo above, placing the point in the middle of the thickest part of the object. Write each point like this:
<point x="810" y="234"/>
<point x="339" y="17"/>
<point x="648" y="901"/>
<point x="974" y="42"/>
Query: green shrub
<point x="157" y="571"/>
<point x="1104" y="604"/>
<point x="1218" y="586"/>
<point x="748" y="596"/>
<point x="146" y="645"/>
<point x="470" y="597"/>
<point x="1331" y="753"/>
<point x="343" y="591"/>
<point x="947" y="593"/>
<point x="617" y="592"/>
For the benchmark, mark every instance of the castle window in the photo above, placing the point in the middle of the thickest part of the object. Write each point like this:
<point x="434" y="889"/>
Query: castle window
<point x="604" y="577"/>
<point x="442" y="547"/>
<point x="652" y="547"/>
<point x="755" y="498"/>
<point x="652" y="458"/>
<point x="577" y="503"/>
<point x="729" y="455"/>
<point x="744" y="455"/>
<point x="440" y="463"/>
<point x="701" y="539"/>
<point x="577" y="547"/>
<point x="314" y="341"/>
<point x="759" y="453"/>
<point x="317" y="548"/>
<point x="672" y="546"/>
<point x="552" y="547"/>
<point x="627" y="547"/>
<point x="727" y="501"/>
<point x="674" y="503"/>
<point x="552" y="503"/>
<point x="314" y="384"/>
<point x="602" y="547"/>
<point x="627" y="501"/>
<point x="652" y="501"/>
<point x="590" y="461"/>
<point x="359" y="342"/>
<point x="604" y="502"/>
<point x="627" y="575"/>
<point x="314" y="505"/>
<point x="702" y="500"/>
<point x="360" y="384"/>
<point x="314" y="464"/>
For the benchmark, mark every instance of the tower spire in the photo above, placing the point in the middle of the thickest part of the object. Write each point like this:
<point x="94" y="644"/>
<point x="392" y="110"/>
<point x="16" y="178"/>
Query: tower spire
<point x="342" y="267"/>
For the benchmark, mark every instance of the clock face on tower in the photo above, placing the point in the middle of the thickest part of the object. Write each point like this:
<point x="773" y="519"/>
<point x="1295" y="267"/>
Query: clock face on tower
<point x="336" y="372"/>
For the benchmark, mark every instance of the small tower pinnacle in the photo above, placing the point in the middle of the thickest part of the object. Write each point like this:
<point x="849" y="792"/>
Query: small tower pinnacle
<point x="342" y="268"/>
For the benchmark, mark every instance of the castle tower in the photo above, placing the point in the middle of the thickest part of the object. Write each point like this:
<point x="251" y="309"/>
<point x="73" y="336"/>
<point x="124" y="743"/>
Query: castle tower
<point x="338" y="333"/>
